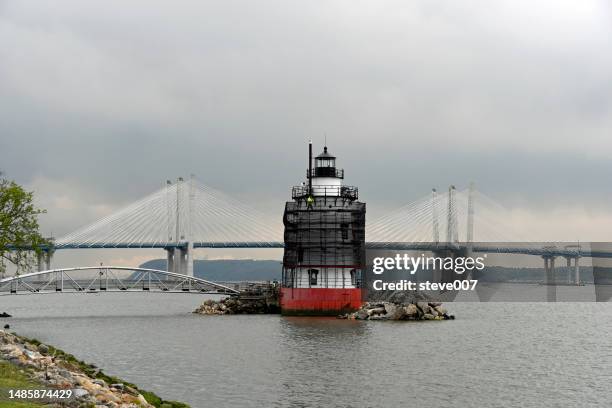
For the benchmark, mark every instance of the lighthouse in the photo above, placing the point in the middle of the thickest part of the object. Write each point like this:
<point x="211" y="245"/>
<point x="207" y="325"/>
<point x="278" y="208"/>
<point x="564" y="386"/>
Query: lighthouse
<point x="324" y="243"/>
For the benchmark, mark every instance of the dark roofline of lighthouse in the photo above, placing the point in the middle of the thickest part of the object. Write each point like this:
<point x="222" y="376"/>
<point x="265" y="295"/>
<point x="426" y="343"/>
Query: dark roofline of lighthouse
<point x="326" y="154"/>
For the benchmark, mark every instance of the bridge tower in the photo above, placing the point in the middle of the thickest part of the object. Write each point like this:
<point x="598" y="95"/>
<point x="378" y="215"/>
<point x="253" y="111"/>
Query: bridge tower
<point x="434" y="216"/>
<point x="324" y="243"/>
<point x="179" y="255"/>
<point x="576" y="265"/>
<point x="44" y="257"/>
<point x="470" y="216"/>
<point x="451" y="221"/>
<point x="549" y="276"/>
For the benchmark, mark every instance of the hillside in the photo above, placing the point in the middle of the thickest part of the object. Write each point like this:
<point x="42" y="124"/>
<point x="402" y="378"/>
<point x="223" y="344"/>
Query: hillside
<point x="228" y="269"/>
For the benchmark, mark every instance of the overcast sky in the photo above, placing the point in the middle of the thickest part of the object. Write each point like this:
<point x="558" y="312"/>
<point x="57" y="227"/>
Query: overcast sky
<point x="101" y="102"/>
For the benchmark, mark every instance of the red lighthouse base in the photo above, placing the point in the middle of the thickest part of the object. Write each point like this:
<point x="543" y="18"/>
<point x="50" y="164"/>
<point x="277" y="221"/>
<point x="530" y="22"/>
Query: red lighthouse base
<point x="319" y="301"/>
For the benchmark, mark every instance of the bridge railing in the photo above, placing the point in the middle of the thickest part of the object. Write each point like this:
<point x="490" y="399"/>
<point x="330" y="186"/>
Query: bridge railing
<point x="109" y="279"/>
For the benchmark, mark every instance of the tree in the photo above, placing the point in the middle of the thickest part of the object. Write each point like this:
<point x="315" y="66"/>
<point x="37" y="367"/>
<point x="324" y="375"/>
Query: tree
<point x="20" y="240"/>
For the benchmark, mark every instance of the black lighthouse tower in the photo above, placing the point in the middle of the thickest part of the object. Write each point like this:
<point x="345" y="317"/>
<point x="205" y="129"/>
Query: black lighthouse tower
<point x="324" y="243"/>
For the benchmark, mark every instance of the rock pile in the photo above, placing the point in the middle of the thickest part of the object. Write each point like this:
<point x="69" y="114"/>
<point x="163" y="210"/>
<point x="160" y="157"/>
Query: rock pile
<point x="257" y="298"/>
<point x="54" y="369"/>
<point x="400" y="311"/>
<point x="235" y="305"/>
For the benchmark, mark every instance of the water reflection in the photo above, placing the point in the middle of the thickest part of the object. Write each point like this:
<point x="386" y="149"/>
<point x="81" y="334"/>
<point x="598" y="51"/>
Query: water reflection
<point x="322" y="356"/>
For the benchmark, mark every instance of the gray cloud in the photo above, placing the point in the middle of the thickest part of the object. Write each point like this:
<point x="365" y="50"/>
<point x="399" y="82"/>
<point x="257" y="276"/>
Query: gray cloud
<point x="103" y="101"/>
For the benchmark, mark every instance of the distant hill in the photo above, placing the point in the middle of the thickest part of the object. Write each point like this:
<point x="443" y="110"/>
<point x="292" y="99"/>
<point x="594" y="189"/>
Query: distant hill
<point x="228" y="269"/>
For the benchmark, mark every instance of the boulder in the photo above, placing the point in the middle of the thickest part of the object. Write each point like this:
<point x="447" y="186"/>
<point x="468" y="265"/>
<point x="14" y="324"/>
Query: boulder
<point x="31" y="347"/>
<point x="394" y="312"/>
<point x="425" y="308"/>
<point x="79" y="392"/>
<point x="376" y="311"/>
<point x="411" y="310"/>
<point x="64" y="373"/>
<point x="390" y="308"/>
<point x="361" y="314"/>
<point x="441" y="310"/>
<point x="107" y="396"/>
<point x="32" y="355"/>
<point x="142" y="401"/>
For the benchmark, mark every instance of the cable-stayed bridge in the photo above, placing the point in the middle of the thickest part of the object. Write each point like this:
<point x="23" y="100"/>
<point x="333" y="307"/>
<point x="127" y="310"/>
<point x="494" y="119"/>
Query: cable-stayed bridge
<point x="187" y="214"/>
<point x="180" y="214"/>
<point x="178" y="218"/>
<point x="190" y="214"/>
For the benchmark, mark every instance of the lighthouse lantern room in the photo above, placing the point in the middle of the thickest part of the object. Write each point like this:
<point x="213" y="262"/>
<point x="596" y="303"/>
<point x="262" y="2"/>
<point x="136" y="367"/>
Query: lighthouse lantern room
<point x="324" y="243"/>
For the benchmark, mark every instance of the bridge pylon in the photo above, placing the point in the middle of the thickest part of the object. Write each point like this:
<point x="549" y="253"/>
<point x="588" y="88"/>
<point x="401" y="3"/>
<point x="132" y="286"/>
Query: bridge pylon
<point x="170" y="259"/>
<point x="549" y="277"/>
<point x="470" y="215"/>
<point x="451" y="217"/>
<point x="434" y="216"/>
<point x="576" y="265"/>
<point x="179" y="259"/>
<point x="43" y="259"/>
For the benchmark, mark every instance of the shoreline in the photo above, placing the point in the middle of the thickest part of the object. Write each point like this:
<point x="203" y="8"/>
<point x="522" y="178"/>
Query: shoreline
<point x="29" y="364"/>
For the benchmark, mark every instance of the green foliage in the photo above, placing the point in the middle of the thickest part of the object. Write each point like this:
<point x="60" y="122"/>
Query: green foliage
<point x="173" y="404"/>
<point x="151" y="398"/>
<point x="19" y="404"/>
<point x="20" y="239"/>
<point x="11" y="377"/>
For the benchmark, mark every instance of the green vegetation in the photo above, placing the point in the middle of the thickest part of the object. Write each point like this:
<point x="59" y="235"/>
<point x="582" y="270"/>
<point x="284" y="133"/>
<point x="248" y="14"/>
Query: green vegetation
<point x="16" y="404"/>
<point x="20" y="239"/>
<point x="13" y="377"/>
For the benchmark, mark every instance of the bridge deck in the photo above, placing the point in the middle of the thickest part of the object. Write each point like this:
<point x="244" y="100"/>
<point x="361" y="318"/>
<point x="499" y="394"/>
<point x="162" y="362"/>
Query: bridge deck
<point x="109" y="279"/>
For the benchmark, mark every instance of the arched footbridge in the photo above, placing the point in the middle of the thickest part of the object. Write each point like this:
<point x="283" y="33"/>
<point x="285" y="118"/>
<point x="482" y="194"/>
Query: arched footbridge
<point x="100" y="279"/>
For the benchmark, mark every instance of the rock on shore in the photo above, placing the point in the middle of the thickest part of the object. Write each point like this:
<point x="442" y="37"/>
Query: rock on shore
<point x="54" y="369"/>
<point x="400" y="311"/>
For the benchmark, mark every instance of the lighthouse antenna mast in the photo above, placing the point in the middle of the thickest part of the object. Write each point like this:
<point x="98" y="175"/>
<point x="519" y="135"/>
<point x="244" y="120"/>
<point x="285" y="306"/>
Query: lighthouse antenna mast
<point x="310" y="167"/>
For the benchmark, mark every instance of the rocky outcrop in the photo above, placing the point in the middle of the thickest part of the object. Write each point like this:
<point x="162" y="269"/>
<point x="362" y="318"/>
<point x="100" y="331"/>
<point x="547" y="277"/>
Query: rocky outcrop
<point x="400" y="311"/>
<point x="54" y="369"/>
<point x="260" y="298"/>
<point x="236" y="305"/>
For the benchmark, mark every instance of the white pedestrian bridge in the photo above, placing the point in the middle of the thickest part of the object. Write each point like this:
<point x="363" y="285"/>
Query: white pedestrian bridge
<point x="100" y="279"/>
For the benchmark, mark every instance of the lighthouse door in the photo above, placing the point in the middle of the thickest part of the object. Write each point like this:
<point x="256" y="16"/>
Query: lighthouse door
<point x="312" y="276"/>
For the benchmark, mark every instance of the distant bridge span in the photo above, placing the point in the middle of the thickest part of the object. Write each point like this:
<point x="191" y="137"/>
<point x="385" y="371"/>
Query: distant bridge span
<point x="550" y="250"/>
<point x="169" y="245"/>
<point x="108" y="279"/>
<point x="398" y="246"/>
<point x="187" y="215"/>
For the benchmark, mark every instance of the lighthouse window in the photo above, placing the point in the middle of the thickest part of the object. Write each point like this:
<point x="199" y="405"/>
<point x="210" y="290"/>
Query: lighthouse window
<point x="312" y="276"/>
<point x="344" y="229"/>
<point x="326" y="162"/>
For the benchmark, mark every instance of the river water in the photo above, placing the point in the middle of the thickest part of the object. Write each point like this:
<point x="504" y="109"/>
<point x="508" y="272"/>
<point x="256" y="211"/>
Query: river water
<point x="492" y="355"/>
